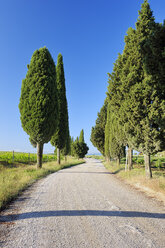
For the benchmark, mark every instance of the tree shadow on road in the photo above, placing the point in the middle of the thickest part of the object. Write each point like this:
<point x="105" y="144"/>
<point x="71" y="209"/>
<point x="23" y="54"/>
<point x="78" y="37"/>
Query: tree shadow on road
<point x="86" y="172"/>
<point x="59" y="213"/>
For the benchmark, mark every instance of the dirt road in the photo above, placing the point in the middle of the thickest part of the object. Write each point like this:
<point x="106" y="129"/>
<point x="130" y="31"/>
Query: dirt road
<point x="83" y="206"/>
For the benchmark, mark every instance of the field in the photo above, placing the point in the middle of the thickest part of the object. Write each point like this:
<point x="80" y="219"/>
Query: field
<point x="25" y="158"/>
<point x="156" y="161"/>
<point x="101" y="157"/>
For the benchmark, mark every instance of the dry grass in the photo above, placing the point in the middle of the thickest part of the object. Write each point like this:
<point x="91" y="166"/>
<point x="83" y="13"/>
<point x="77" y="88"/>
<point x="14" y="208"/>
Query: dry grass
<point x="13" y="180"/>
<point x="136" y="177"/>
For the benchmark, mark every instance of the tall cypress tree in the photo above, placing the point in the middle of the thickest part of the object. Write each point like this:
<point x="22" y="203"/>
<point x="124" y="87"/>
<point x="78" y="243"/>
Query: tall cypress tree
<point x="107" y="128"/>
<point x="98" y="131"/>
<point x="67" y="148"/>
<point x="81" y="138"/>
<point x="153" y="50"/>
<point x="38" y="102"/>
<point x="60" y="136"/>
<point x="115" y="138"/>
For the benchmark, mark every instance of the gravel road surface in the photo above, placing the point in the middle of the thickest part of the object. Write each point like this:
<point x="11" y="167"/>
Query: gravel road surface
<point x="83" y="206"/>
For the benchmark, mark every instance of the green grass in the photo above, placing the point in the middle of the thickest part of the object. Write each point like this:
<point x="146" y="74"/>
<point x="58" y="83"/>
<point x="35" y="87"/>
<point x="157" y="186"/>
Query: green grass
<point x="14" y="179"/>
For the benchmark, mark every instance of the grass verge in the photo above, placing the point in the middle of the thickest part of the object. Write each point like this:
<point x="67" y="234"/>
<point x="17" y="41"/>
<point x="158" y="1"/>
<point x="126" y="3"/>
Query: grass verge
<point x="136" y="177"/>
<point x="13" y="180"/>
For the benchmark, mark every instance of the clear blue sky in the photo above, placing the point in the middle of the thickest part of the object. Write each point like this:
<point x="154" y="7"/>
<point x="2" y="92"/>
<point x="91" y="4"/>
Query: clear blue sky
<point x="88" y="33"/>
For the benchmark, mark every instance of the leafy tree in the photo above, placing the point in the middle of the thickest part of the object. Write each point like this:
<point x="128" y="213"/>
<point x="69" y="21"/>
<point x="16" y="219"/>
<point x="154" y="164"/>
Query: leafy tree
<point x="80" y="149"/>
<point x="59" y="138"/>
<point x="98" y="131"/>
<point x="38" y="102"/>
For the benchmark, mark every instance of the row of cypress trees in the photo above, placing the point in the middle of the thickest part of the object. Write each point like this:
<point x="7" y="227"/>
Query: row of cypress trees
<point x="43" y="103"/>
<point x="135" y="103"/>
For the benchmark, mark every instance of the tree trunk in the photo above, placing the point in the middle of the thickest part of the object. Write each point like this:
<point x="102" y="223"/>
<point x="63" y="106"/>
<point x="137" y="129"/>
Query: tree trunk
<point x="147" y="166"/>
<point x="39" y="155"/>
<point x="107" y="159"/>
<point x="58" y="156"/>
<point x="118" y="161"/>
<point x="65" y="158"/>
<point x="126" y="161"/>
<point x="130" y="166"/>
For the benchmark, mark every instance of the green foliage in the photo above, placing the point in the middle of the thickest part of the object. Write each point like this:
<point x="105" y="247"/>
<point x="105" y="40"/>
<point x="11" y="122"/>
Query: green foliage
<point x="115" y="141"/>
<point x="67" y="149"/>
<point x="140" y="160"/>
<point x="81" y="138"/>
<point x="61" y="134"/>
<point x="79" y="148"/>
<point x="136" y="90"/>
<point x="33" y="143"/>
<point x="140" y="101"/>
<point x="38" y="101"/>
<point x="98" y="131"/>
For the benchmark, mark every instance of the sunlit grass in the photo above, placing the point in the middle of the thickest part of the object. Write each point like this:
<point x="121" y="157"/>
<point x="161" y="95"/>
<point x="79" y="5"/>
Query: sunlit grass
<point x="137" y="176"/>
<point x="13" y="180"/>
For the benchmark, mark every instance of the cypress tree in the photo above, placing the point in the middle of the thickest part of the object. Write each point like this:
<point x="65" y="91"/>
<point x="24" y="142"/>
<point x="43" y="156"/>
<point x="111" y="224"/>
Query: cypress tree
<point x="33" y="143"/>
<point x="38" y="102"/>
<point x="98" y="131"/>
<point x="81" y="138"/>
<point x="67" y="148"/>
<point x="107" y="128"/>
<point x="71" y="146"/>
<point x="153" y="50"/>
<point x="141" y="104"/>
<point x="60" y="136"/>
<point x="115" y="137"/>
<point x="80" y="148"/>
<point x="115" y="141"/>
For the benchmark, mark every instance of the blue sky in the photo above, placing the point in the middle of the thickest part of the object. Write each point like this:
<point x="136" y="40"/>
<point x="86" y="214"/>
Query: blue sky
<point x="88" y="33"/>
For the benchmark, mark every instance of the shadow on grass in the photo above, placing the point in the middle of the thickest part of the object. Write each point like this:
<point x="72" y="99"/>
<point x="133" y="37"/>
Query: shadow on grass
<point x="70" y="213"/>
